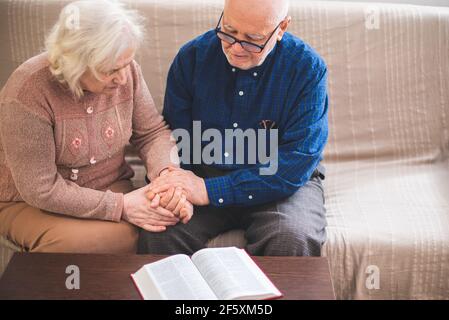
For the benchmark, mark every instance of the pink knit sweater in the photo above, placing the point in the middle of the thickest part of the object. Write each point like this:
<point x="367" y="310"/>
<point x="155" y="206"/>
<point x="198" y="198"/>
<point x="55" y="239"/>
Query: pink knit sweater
<point x="58" y="153"/>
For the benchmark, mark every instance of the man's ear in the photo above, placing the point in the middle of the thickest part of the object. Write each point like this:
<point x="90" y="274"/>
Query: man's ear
<point x="283" y="27"/>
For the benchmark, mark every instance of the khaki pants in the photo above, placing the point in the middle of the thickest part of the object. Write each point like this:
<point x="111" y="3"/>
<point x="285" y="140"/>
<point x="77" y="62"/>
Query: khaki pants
<point x="36" y="230"/>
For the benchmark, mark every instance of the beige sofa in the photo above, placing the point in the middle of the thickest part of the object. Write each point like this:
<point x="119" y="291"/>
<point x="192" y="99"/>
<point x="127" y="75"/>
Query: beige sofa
<point x="387" y="185"/>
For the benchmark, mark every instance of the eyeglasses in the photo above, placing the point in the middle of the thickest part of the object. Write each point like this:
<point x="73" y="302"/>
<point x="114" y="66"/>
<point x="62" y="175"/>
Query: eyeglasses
<point x="108" y="74"/>
<point x="248" y="46"/>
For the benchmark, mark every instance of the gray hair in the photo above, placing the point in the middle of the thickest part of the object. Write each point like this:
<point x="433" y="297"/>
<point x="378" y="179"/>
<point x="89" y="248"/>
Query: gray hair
<point x="282" y="11"/>
<point x="91" y="35"/>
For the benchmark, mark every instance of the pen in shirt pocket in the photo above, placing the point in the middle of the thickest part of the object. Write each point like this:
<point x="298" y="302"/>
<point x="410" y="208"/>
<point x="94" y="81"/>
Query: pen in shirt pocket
<point x="268" y="124"/>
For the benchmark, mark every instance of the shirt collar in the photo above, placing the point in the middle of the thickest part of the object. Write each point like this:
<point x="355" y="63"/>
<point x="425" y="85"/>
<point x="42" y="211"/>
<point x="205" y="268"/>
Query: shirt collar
<point x="259" y="69"/>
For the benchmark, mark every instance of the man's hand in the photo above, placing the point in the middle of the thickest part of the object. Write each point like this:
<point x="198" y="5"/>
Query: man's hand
<point x="193" y="186"/>
<point x="137" y="210"/>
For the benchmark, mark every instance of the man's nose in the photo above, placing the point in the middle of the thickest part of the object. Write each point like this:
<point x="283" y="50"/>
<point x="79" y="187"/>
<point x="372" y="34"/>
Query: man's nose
<point x="120" y="78"/>
<point x="237" y="48"/>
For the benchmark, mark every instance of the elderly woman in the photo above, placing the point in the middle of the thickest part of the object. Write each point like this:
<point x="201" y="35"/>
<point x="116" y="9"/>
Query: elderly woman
<point x="65" y="118"/>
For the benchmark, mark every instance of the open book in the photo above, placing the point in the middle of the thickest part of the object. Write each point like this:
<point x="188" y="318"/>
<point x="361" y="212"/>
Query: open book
<point x="212" y="273"/>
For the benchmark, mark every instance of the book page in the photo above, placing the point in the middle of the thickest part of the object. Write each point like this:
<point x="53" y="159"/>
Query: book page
<point x="232" y="274"/>
<point x="177" y="278"/>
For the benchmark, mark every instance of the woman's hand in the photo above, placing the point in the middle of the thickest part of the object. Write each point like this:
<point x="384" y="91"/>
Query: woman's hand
<point x="193" y="186"/>
<point x="137" y="210"/>
<point x="174" y="200"/>
<point x="186" y="213"/>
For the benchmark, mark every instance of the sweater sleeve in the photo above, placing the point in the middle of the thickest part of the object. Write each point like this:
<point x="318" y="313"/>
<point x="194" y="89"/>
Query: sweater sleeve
<point x="151" y="134"/>
<point x="29" y="148"/>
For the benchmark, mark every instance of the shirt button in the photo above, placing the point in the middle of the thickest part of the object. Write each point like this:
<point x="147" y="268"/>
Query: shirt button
<point x="241" y="93"/>
<point x="220" y="200"/>
<point x="250" y="197"/>
<point x="90" y="110"/>
<point x="92" y="160"/>
<point x="73" y="177"/>
<point x="235" y="125"/>
<point x="226" y="154"/>
<point x="255" y="74"/>
<point x="233" y="69"/>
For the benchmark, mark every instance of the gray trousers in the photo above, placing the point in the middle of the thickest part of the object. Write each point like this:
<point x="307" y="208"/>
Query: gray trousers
<point x="294" y="226"/>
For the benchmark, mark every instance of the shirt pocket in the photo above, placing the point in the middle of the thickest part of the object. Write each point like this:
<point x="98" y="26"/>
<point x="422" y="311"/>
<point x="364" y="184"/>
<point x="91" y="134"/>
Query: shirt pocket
<point x="72" y="144"/>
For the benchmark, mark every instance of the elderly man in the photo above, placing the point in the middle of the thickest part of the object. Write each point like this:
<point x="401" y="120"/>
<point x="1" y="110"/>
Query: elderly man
<point x="249" y="74"/>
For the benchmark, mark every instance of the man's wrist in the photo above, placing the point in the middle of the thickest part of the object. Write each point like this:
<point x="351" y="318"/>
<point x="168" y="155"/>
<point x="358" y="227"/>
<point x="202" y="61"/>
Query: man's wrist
<point x="220" y="191"/>
<point x="205" y="197"/>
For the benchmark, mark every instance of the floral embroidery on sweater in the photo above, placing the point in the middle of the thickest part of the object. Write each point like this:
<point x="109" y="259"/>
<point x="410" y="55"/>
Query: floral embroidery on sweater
<point x="108" y="133"/>
<point x="76" y="142"/>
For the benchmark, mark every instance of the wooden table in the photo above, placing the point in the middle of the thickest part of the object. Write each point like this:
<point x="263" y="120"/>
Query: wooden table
<point x="43" y="276"/>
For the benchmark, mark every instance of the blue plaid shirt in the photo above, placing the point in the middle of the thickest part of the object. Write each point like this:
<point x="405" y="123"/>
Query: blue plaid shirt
<point x="289" y="89"/>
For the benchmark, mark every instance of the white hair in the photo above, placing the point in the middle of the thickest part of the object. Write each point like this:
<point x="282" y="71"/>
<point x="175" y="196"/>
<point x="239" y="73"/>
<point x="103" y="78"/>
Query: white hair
<point x="282" y="11"/>
<point x="91" y="35"/>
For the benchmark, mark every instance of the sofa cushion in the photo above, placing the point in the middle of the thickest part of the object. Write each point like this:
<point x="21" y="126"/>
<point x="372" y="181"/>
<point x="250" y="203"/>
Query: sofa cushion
<point x="7" y="249"/>
<point x="392" y="218"/>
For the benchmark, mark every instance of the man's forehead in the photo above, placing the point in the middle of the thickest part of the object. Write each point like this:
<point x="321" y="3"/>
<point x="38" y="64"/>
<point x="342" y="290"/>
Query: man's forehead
<point x="257" y="27"/>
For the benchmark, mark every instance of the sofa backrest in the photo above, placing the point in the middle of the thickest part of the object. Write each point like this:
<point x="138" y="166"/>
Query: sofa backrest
<point x="388" y="65"/>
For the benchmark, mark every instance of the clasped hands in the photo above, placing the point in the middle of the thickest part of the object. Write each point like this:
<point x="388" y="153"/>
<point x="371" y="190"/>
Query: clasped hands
<point x="166" y="201"/>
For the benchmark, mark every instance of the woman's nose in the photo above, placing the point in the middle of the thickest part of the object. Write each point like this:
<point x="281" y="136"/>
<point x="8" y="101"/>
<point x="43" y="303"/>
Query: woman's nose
<point x="120" y="78"/>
